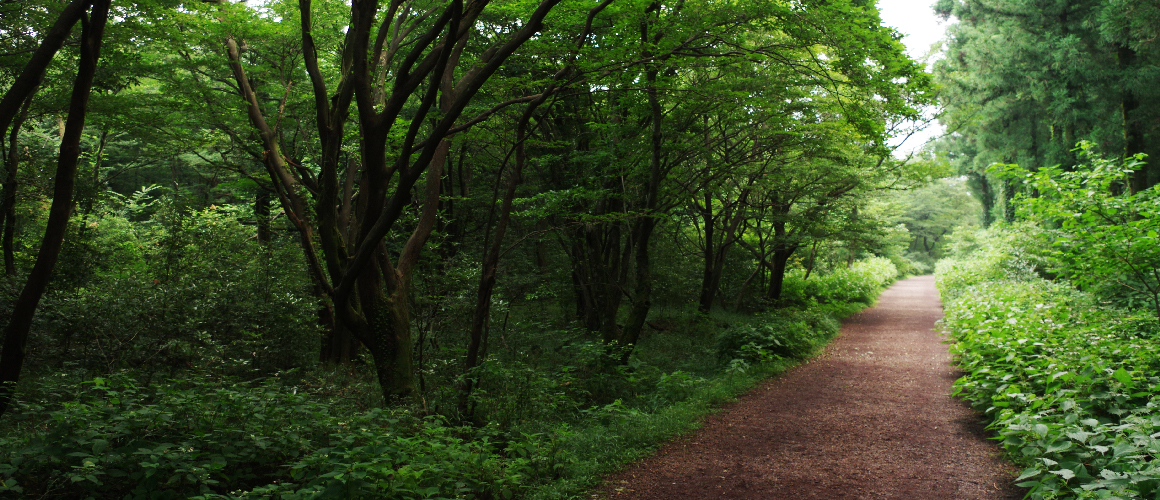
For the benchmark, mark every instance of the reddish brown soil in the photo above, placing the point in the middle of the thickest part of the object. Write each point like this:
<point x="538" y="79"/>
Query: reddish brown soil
<point x="869" y="418"/>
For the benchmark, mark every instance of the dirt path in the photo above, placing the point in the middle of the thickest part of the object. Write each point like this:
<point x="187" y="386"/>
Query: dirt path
<point x="870" y="418"/>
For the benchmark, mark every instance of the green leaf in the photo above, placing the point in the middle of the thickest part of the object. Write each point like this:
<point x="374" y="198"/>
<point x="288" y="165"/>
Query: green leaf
<point x="1123" y="377"/>
<point x="1065" y="473"/>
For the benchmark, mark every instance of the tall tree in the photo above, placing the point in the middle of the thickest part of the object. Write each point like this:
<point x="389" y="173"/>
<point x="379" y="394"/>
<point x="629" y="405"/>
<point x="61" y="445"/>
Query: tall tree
<point x="396" y="66"/>
<point x="16" y="332"/>
<point x="1023" y="82"/>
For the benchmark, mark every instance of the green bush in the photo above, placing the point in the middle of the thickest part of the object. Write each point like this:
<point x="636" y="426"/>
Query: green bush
<point x="1000" y="253"/>
<point x="860" y="283"/>
<point x="1070" y="386"/>
<point x="1104" y="238"/>
<point x="177" y="289"/>
<point x="796" y="333"/>
<point x="781" y="334"/>
<point x="200" y="439"/>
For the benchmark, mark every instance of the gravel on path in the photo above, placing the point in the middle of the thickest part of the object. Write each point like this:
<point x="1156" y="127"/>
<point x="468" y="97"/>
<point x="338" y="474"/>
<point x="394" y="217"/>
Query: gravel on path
<point x="869" y="418"/>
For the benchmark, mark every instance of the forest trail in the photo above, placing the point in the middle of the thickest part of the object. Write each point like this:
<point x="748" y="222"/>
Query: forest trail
<point x="869" y="418"/>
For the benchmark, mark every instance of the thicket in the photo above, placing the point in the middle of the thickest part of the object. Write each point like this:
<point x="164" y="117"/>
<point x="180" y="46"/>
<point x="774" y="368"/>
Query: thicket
<point x="1055" y="326"/>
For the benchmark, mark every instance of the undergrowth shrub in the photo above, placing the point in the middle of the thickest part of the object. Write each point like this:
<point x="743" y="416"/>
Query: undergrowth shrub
<point x="782" y="334"/>
<point x="797" y="332"/>
<point x="860" y="283"/>
<point x="1069" y="384"/>
<point x="180" y="289"/>
<point x="208" y="440"/>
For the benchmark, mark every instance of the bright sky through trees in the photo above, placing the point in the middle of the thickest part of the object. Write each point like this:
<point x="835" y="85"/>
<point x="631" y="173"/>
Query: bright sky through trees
<point x="916" y="20"/>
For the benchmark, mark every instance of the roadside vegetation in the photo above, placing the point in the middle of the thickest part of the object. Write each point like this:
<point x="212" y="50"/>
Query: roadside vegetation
<point x="1053" y="307"/>
<point x="230" y="416"/>
<point x="1055" y="325"/>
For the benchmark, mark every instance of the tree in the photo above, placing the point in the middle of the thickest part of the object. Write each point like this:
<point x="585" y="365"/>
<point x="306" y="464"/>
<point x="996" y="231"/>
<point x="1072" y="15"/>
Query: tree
<point x="395" y="82"/>
<point x="1102" y="238"/>
<point x="16" y="332"/>
<point x="1023" y="82"/>
<point x="932" y="212"/>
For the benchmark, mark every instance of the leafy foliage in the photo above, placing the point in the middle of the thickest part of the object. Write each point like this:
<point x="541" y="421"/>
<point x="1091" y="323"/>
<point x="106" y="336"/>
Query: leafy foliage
<point x="201" y="439"/>
<point x="859" y="283"/>
<point x="285" y="437"/>
<point x="798" y="333"/>
<point x="174" y="288"/>
<point x="1105" y="239"/>
<point x="299" y="267"/>
<point x="1068" y="384"/>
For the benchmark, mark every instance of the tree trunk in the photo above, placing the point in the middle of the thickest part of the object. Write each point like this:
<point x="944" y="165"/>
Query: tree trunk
<point x="783" y="249"/>
<point x="813" y="257"/>
<point x="1133" y="126"/>
<point x="643" y="230"/>
<point x="262" y="214"/>
<point x="777" y="272"/>
<point x="986" y="198"/>
<point x="388" y="337"/>
<point x="16" y="333"/>
<point x="599" y="258"/>
<point x="487" y="277"/>
<point x="708" y="257"/>
<point x="1008" y="201"/>
<point x="32" y="74"/>
<point x="11" y="187"/>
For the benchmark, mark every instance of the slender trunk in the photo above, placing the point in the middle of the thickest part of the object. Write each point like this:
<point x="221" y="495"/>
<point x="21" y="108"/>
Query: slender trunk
<point x="705" y="302"/>
<point x="610" y="264"/>
<point x="491" y="260"/>
<point x="642" y="295"/>
<point x="16" y="333"/>
<point x="33" y="73"/>
<point x="813" y="257"/>
<point x="541" y="248"/>
<point x="1069" y="142"/>
<point x="11" y="186"/>
<point x="262" y="214"/>
<point x="90" y="195"/>
<point x="715" y="274"/>
<point x="1133" y="126"/>
<point x="745" y="288"/>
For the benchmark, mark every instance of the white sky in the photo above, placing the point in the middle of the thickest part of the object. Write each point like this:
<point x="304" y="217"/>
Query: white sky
<point x="916" y="20"/>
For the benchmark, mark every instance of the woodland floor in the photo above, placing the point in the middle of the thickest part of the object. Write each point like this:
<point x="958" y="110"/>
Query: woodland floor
<point x="869" y="418"/>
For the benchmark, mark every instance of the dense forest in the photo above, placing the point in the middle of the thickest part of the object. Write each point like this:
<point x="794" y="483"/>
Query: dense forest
<point x="418" y="249"/>
<point x="1025" y="82"/>
<point x="495" y="249"/>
